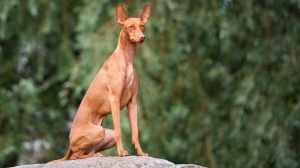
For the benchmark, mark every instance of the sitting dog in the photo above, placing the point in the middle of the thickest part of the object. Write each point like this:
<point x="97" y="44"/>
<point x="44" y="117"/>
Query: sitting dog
<point x="114" y="87"/>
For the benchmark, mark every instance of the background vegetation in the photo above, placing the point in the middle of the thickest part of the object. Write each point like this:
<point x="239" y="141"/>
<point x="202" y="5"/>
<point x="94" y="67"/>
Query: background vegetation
<point x="219" y="79"/>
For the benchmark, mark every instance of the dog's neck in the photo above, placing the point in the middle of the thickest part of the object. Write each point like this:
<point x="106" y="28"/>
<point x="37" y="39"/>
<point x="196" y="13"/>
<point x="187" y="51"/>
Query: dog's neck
<point x="126" y="47"/>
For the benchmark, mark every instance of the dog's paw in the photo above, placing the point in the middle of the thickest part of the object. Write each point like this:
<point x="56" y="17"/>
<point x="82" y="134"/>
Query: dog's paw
<point x="98" y="155"/>
<point x="142" y="154"/>
<point x="123" y="153"/>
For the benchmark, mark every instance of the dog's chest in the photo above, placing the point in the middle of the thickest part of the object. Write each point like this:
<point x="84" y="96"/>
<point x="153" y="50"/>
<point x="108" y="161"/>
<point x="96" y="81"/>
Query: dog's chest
<point x="130" y="81"/>
<point x="128" y="88"/>
<point x="130" y="77"/>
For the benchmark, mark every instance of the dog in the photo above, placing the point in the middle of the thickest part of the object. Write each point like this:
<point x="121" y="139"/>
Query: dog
<point x="114" y="87"/>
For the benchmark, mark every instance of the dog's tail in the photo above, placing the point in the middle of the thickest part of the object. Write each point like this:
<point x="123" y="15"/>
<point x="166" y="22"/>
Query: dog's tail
<point x="66" y="157"/>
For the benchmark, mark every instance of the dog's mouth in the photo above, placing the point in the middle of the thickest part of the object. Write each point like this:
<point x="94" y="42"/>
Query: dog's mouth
<point x="137" y="41"/>
<point x="141" y="41"/>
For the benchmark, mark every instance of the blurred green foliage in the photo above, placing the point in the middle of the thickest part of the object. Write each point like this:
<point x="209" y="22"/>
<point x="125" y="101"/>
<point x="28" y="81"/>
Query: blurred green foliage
<point x="219" y="79"/>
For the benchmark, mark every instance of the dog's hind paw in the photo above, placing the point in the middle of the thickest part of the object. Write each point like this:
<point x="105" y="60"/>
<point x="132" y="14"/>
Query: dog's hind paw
<point x="98" y="155"/>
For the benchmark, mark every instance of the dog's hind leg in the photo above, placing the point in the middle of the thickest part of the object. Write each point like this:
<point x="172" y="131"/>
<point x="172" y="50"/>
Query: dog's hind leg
<point x="81" y="155"/>
<point x="84" y="142"/>
<point x="107" y="142"/>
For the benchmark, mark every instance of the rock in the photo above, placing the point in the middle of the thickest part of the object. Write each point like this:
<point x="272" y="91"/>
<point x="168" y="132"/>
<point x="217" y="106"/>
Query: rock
<point x="188" y="166"/>
<point x="112" y="162"/>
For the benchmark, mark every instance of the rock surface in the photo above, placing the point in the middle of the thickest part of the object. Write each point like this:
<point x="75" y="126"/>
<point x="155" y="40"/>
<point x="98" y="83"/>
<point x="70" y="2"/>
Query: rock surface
<point x="113" y="162"/>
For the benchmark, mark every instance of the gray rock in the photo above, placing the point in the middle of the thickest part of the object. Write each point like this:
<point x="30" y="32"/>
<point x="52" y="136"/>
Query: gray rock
<point x="188" y="166"/>
<point x="113" y="162"/>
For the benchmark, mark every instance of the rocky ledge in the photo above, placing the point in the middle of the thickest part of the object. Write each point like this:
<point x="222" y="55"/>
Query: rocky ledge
<point x="113" y="162"/>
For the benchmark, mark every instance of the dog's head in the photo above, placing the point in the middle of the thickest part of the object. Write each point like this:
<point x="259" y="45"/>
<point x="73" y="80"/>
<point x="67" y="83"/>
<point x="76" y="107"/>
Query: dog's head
<point x="133" y="27"/>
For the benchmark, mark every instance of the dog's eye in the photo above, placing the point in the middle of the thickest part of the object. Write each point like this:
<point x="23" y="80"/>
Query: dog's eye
<point x="131" y="27"/>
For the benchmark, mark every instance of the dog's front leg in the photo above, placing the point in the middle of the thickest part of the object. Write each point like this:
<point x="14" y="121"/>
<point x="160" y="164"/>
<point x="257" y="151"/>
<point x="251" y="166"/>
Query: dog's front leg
<point x="115" y="110"/>
<point x="133" y="117"/>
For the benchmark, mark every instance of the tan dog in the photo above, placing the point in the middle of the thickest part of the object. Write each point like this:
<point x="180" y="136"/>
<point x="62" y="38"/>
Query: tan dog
<point x="114" y="87"/>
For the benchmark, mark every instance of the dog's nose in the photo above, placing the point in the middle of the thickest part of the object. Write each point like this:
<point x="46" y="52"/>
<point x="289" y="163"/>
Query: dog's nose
<point x="142" y="38"/>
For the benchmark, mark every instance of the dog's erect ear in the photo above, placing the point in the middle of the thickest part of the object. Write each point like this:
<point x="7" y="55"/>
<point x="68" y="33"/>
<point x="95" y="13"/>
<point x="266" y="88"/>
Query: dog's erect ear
<point x="145" y="14"/>
<point x="121" y="15"/>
